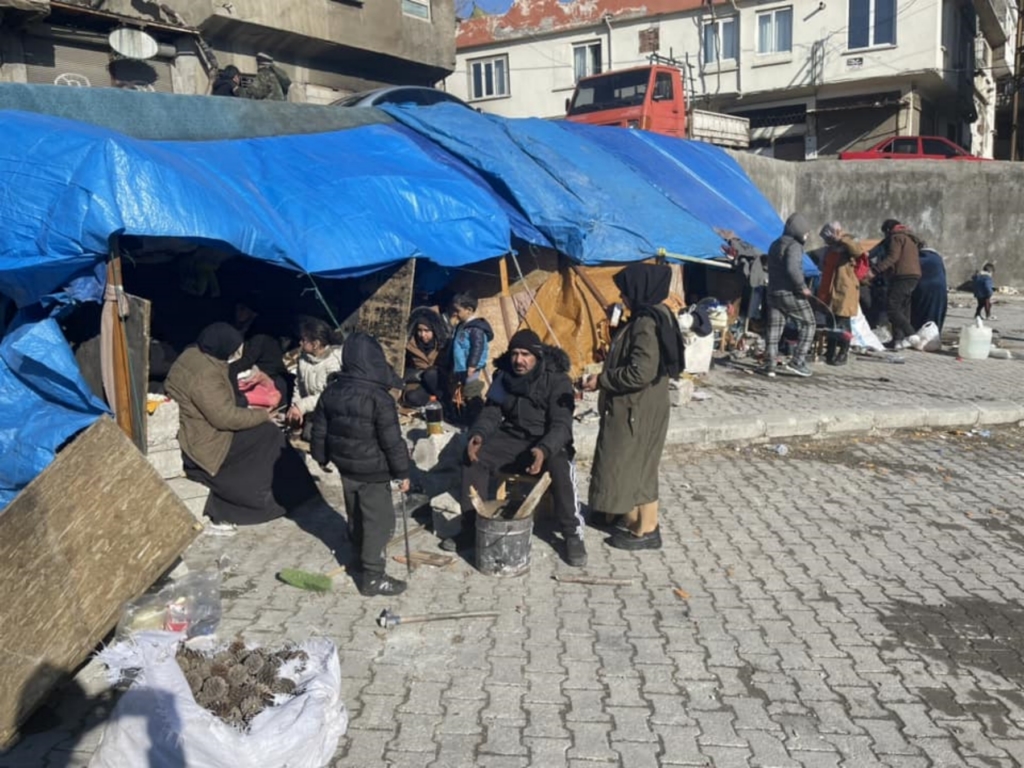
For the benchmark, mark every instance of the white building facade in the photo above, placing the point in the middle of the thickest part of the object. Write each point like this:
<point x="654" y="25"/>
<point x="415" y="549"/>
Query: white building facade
<point x="815" y="77"/>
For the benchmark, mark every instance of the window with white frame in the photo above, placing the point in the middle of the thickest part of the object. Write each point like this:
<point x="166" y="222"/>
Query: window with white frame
<point x="586" y="60"/>
<point x="418" y="8"/>
<point x="488" y="78"/>
<point x="871" y="23"/>
<point x="775" y="31"/>
<point x="721" y="40"/>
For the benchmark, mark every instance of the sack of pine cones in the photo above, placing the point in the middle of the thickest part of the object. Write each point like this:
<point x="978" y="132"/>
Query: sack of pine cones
<point x="209" y="705"/>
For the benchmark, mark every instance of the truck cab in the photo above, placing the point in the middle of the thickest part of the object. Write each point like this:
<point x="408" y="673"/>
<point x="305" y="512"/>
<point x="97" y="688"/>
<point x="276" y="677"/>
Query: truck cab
<point x="648" y="98"/>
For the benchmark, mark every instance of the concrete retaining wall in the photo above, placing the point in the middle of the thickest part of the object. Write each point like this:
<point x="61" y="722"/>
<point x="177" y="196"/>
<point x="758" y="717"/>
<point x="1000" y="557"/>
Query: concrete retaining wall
<point x="969" y="212"/>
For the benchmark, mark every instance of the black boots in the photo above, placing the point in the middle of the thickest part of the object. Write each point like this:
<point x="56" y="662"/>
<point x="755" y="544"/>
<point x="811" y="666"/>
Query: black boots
<point x="836" y="351"/>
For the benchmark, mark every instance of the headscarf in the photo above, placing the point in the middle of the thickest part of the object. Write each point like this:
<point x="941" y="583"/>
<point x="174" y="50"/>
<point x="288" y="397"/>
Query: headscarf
<point x="220" y="340"/>
<point x="645" y="286"/>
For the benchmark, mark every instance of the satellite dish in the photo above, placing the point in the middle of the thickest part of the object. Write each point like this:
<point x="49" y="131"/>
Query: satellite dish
<point x="133" y="43"/>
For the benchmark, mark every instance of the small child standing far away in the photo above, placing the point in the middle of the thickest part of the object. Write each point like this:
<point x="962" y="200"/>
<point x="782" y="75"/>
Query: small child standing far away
<point x="355" y="426"/>
<point x="984" y="289"/>
<point x="319" y="359"/>
<point x="470" y="348"/>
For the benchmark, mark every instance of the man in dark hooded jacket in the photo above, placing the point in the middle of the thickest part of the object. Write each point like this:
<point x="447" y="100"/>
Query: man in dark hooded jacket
<point x="787" y="296"/>
<point x="355" y="427"/>
<point x="526" y="426"/>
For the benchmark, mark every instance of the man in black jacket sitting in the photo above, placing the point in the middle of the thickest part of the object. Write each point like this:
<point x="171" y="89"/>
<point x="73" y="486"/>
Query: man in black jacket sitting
<point x="526" y="425"/>
<point x="355" y="427"/>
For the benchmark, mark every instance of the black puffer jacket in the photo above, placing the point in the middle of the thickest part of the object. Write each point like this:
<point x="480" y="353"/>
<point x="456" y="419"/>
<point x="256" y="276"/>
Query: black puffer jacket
<point x="537" y="407"/>
<point x="355" y="424"/>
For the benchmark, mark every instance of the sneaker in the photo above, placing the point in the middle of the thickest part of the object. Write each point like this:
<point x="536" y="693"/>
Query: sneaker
<point x="381" y="585"/>
<point x="798" y="368"/>
<point x="914" y="341"/>
<point x="220" y="529"/>
<point x="627" y="540"/>
<point x="768" y="369"/>
<point x="900" y="345"/>
<point x="575" y="551"/>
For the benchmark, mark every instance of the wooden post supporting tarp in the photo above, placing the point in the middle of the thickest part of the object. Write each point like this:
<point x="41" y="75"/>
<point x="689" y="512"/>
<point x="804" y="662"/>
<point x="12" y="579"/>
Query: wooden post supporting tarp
<point x="97" y="528"/>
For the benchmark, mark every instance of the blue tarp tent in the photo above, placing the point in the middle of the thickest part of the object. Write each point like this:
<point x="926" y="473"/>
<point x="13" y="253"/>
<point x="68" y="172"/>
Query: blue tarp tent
<point x="591" y="205"/>
<point x="336" y="204"/>
<point x="444" y="183"/>
<point x="43" y="402"/>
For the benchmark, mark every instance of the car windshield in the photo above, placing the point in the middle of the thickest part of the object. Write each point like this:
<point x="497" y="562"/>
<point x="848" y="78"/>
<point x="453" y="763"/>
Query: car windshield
<point x="612" y="91"/>
<point x="352" y="100"/>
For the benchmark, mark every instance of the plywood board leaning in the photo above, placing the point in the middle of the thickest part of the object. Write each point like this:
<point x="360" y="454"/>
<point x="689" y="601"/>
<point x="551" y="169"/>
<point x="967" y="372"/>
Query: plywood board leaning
<point x="384" y="315"/>
<point x="97" y="528"/>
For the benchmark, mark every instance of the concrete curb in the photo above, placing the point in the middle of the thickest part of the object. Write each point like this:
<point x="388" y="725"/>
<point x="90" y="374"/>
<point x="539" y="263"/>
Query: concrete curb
<point x="780" y="425"/>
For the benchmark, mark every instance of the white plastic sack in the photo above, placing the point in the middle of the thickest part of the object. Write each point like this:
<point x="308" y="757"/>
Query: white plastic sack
<point x="863" y="336"/>
<point x="930" y="338"/>
<point x="158" y="724"/>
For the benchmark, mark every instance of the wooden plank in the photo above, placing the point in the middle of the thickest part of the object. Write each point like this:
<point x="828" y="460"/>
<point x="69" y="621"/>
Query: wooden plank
<point x="384" y="315"/>
<point x="97" y="528"/>
<point x="137" y="331"/>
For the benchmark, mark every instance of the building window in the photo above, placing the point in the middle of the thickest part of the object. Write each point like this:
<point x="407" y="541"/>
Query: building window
<point x="775" y="31"/>
<point x="418" y="8"/>
<point x="586" y="60"/>
<point x="721" y="40"/>
<point x="872" y="22"/>
<point x="488" y="78"/>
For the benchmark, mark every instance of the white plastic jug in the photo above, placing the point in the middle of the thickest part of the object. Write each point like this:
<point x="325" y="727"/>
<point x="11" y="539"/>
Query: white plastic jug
<point x="975" y="341"/>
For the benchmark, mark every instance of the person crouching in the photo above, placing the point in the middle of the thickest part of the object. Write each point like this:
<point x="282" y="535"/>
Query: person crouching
<point x="526" y="426"/>
<point x="355" y="427"/>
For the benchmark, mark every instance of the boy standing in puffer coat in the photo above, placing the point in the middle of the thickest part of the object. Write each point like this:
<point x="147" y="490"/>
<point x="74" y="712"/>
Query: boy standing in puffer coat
<point x="355" y="427"/>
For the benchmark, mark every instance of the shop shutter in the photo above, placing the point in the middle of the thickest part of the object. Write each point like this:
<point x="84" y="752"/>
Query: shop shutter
<point x="83" y="63"/>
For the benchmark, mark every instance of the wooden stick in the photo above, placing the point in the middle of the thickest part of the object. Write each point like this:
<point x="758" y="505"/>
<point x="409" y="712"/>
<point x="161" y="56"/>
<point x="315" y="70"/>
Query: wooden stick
<point x="598" y="580"/>
<point x="533" y="498"/>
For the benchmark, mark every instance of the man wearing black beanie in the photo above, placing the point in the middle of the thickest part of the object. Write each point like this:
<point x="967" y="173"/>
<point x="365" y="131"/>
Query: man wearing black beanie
<point x="526" y="426"/>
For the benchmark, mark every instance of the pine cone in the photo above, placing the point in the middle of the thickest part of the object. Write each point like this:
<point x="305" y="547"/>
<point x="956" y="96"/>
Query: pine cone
<point x="195" y="684"/>
<point x="283" y="685"/>
<point x="254" y="662"/>
<point x="216" y="688"/>
<point x="251" y="707"/>
<point x="237" y="675"/>
<point x="267" y="675"/>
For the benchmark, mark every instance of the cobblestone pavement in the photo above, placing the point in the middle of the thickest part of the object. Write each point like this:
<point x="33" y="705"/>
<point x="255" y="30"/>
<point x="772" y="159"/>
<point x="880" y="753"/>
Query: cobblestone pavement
<point x="855" y="603"/>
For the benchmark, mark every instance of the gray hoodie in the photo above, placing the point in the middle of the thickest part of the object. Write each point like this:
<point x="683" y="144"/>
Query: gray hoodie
<point x="786" y="257"/>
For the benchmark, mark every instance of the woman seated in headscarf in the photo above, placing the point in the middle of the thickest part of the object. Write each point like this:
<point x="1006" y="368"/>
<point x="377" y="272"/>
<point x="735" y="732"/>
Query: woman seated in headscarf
<point x="238" y="452"/>
<point x="424" y="353"/>
<point x="634" y="407"/>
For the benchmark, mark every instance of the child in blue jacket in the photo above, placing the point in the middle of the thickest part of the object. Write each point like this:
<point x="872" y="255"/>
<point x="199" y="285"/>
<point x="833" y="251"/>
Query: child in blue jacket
<point x="470" y="351"/>
<point x="984" y="289"/>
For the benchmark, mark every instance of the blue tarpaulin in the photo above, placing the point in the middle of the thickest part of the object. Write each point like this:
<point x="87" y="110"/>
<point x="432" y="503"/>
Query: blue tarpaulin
<point x="43" y="402"/>
<point x="335" y="204"/>
<point x="700" y="178"/>
<point x="593" y="207"/>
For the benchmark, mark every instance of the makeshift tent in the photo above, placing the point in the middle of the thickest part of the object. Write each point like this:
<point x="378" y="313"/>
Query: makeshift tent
<point x="43" y="402"/>
<point x="592" y="207"/>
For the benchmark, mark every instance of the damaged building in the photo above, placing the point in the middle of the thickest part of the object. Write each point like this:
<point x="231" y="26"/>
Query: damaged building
<point x="329" y="48"/>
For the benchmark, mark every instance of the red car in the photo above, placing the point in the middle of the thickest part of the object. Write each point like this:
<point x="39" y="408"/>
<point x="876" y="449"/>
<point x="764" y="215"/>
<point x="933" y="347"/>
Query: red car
<point x="912" y="148"/>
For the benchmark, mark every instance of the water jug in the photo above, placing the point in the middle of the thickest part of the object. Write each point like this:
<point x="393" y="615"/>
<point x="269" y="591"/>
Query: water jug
<point x="975" y="341"/>
<point x="433" y="413"/>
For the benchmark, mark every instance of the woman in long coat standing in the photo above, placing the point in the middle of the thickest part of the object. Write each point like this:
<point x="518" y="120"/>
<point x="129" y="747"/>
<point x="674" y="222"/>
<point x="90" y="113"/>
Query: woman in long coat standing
<point x="634" y="407"/>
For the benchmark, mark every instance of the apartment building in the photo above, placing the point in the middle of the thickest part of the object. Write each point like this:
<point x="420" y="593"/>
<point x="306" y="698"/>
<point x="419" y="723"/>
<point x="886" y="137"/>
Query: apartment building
<point x="815" y="77"/>
<point x="329" y="48"/>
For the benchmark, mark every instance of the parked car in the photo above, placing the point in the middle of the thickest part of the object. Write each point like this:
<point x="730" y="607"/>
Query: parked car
<point x="419" y="95"/>
<point x="912" y="148"/>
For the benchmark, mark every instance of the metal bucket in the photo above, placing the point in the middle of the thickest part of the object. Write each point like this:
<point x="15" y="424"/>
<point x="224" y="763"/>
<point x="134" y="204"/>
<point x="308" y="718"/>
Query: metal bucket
<point x="503" y="546"/>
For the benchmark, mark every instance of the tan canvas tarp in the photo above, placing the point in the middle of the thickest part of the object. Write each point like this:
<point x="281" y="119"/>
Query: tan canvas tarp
<point x="26" y="5"/>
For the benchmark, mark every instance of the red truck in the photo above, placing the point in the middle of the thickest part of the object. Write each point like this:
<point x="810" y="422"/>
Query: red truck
<point x="652" y="98"/>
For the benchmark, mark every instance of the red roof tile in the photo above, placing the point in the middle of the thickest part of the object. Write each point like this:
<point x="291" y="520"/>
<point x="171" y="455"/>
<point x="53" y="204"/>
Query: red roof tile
<point x="528" y="18"/>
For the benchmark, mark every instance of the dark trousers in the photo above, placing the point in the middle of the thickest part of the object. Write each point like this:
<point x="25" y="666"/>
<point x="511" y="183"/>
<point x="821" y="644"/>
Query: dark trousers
<point x="984" y="304"/>
<point x="429" y="384"/>
<point x="506" y="453"/>
<point x="371" y="521"/>
<point x="898" y="306"/>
